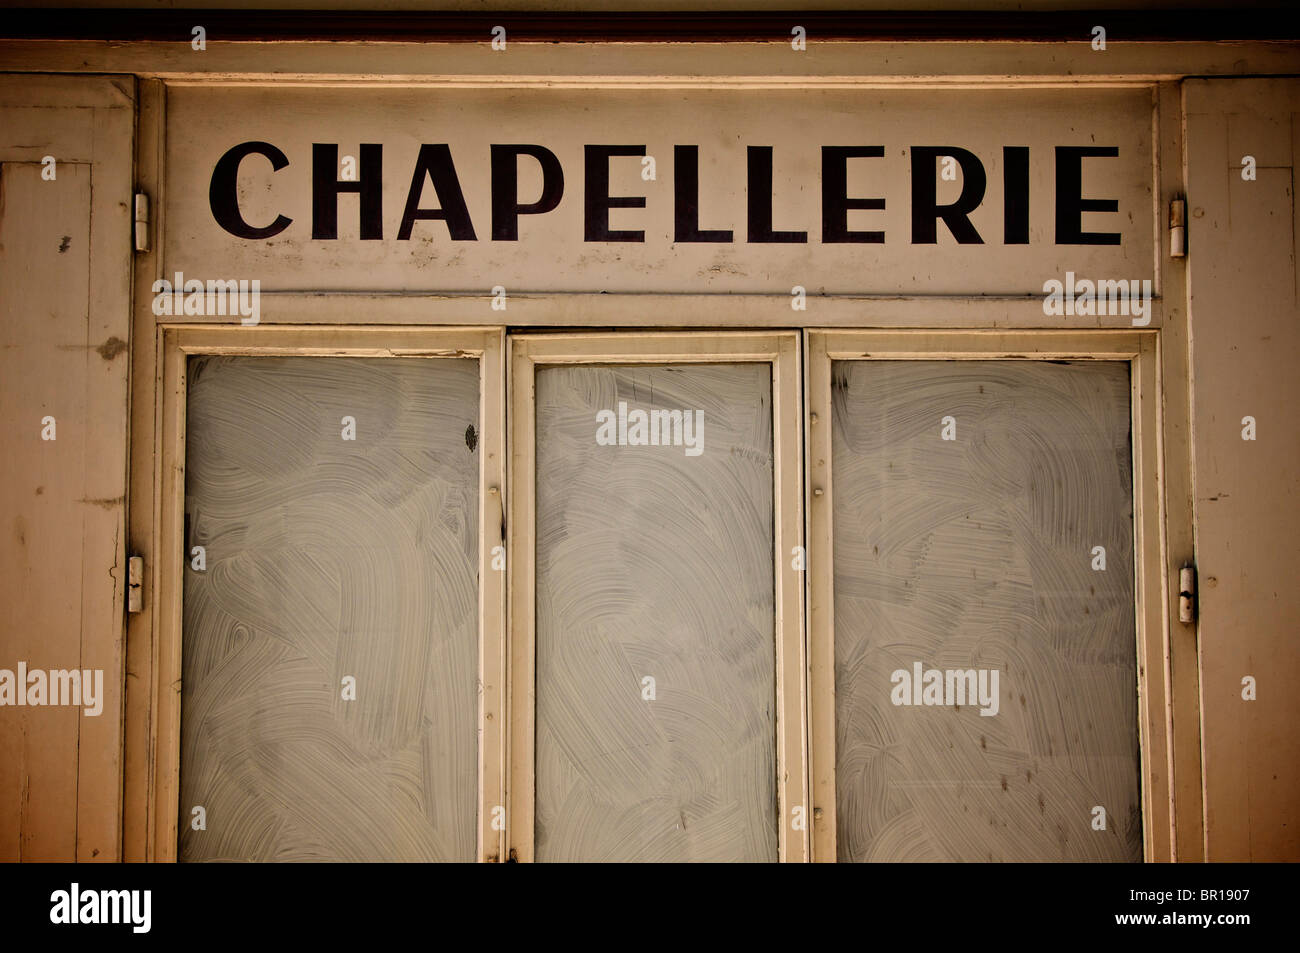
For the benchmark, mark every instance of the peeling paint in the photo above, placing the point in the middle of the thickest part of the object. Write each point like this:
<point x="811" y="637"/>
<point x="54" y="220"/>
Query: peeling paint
<point x="103" y="504"/>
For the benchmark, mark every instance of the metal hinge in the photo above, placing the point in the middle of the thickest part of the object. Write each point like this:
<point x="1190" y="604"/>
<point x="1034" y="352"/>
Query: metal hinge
<point x="141" y="222"/>
<point x="1178" y="228"/>
<point x="1187" y="594"/>
<point x="135" y="584"/>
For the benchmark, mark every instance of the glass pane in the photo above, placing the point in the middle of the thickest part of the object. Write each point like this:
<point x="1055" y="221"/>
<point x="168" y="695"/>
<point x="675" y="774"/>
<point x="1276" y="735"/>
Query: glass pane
<point x="336" y="502"/>
<point x="655" y="614"/>
<point x="972" y="504"/>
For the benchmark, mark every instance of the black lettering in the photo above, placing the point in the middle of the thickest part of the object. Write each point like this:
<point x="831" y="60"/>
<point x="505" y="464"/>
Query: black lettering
<point x="1070" y="203"/>
<point x="760" y="200"/>
<point x="835" y="200"/>
<point x="223" y="190"/>
<point x="596" y="198"/>
<point x="926" y="210"/>
<point x="506" y="208"/>
<point x="1015" y="195"/>
<point x="434" y="161"/>
<point x="686" y="199"/>
<point x="325" y="189"/>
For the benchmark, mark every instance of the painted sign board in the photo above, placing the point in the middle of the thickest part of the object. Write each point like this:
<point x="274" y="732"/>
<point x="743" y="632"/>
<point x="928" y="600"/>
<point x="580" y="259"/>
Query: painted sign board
<point x="839" y="191"/>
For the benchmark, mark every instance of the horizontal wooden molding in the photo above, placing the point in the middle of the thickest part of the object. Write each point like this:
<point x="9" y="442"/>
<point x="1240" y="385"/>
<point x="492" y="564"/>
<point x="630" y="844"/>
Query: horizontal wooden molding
<point x="227" y="25"/>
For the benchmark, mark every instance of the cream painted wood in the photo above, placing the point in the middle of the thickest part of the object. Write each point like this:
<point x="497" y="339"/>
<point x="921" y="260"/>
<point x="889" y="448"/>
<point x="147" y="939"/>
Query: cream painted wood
<point x="494" y="626"/>
<point x="176" y="343"/>
<point x="1170" y="743"/>
<point x="659" y="67"/>
<point x="1244" y="349"/>
<point x="144" y="511"/>
<point x="65" y="271"/>
<point x="1172" y="761"/>
<point x="699" y="311"/>
<point x="779" y="352"/>
<point x="43" y="548"/>
<point x="1138" y="348"/>
<point x="550" y="255"/>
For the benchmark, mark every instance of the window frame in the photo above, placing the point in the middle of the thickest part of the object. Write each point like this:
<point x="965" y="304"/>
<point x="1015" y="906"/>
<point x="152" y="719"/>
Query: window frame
<point x="175" y="344"/>
<point x="801" y="401"/>
<point x="1140" y="349"/>
<point x="781" y="350"/>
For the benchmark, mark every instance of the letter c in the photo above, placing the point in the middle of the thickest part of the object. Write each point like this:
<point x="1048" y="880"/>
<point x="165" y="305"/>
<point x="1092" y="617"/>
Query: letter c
<point x="223" y="193"/>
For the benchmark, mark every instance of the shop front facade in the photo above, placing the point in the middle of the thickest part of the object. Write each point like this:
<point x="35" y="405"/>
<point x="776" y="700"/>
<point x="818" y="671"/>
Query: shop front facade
<point x="649" y="448"/>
